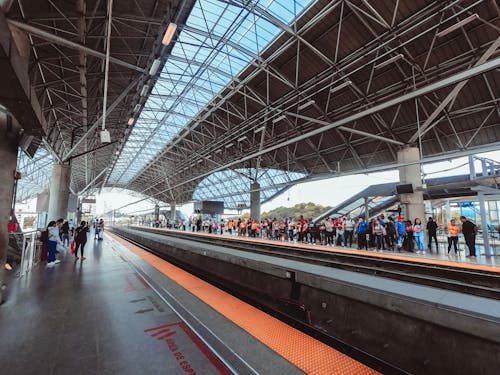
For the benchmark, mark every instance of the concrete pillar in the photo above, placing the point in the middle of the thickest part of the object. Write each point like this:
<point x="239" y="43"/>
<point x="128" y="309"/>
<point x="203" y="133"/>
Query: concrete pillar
<point x="367" y="211"/>
<point x="157" y="212"/>
<point x="59" y="191"/>
<point x="411" y="174"/>
<point x="78" y="214"/>
<point x="255" y="201"/>
<point x="172" y="213"/>
<point x="9" y="142"/>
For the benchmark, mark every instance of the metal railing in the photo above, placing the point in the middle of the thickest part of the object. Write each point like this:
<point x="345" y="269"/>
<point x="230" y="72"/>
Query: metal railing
<point x="28" y="252"/>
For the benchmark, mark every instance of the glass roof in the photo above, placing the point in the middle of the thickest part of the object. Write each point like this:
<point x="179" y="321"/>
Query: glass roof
<point x="214" y="46"/>
<point x="35" y="173"/>
<point x="228" y="185"/>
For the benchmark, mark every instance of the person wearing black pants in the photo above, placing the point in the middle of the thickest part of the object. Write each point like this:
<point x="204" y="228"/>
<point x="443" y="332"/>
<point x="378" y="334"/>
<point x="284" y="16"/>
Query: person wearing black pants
<point x="469" y="231"/>
<point x="81" y="239"/>
<point x="432" y="233"/>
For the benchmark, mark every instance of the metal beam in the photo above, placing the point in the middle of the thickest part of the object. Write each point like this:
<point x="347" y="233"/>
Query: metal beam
<point x="428" y="125"/>
<point x="118" y="100"/>
<point x="458" y="77"/>
<point x="93" y="181"/>
<point x="67" y="43"/>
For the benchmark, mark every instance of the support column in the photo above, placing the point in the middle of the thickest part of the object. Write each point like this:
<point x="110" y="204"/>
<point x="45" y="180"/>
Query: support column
<point x="78" y="213"/>
<point x="9" y="142"/>
<point x="367" y="211"/>
<point x="157" y="212"/>
<point x="472" y="168"/>
<point x="59" y="191"/>
<point x="411" y="174"/>
<point x="172" y="213"/>
<point x="484" y="224"/>
<point x="255" y="201"/>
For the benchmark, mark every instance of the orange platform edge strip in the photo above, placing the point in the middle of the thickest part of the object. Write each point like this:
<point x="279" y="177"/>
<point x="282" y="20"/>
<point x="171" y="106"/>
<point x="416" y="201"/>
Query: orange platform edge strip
<point x="305" y="352"/>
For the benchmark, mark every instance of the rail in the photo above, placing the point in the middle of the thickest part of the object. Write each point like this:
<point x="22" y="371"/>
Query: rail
<point x="456" y="278"/>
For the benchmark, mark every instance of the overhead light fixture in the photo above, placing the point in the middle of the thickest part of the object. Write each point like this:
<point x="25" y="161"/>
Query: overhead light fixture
<point x="145" y="89"/>
<point x="117" y="153"/>
<point x="242" y="138"/>
<point x="218" y="151"/>
<point x="200" y="161"/>
<point x="137" y="107"/>
<point x="130" y="121"/>
<point x="389" y="61"/>
<point x="169" y="34"/>
<point x="341" y="86"/>
<point x="208" y="157"/>
<point x="154" y="67"/>
<point x="306" y="104"/>
<point x="191" y="165"/>
<point x="258" y="130"/>
<point x="277" y="119"/>
<point x="229" y="145"/>
<point x="458" y="25"/>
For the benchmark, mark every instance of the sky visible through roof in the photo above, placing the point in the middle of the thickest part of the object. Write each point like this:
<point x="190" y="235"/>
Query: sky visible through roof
<point x="218" y="41"/>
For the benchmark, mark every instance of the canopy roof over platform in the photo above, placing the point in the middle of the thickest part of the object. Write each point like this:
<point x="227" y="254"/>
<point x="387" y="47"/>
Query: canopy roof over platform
<point x="259" y="88"/>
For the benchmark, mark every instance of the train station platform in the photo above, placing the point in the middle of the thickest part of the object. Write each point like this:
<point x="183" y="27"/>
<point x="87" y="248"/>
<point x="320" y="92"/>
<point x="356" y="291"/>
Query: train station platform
<point x="440" y="257"/>
<point x="125" y="311"/>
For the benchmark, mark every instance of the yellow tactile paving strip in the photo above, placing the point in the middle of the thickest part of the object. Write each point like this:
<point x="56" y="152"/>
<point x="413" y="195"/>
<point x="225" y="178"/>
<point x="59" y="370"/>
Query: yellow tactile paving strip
<point x="490" y="268"/>
<point x="308" y="354"/>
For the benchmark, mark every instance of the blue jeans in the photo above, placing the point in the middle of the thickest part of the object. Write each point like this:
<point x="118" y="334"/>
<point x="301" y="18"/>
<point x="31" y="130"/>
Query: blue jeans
<point x="52" y="251"/>
<point x="420" y="243"/>
<point x="65" y="239"/>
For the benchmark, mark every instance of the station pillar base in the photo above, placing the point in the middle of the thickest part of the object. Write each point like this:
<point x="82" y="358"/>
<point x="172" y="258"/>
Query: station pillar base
<point x="413" y="203"/>
<point x="59" y="192"/>
<point x="255" y="201"/>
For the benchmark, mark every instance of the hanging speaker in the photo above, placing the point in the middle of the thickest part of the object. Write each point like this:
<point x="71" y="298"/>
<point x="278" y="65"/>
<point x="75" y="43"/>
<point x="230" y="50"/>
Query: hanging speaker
<point x="404" y="189"/>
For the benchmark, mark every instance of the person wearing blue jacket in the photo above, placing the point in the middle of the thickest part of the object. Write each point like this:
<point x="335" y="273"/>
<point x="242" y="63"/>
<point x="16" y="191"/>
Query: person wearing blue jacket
<point x="400" y="232"/>
<point x="360" y="230"/>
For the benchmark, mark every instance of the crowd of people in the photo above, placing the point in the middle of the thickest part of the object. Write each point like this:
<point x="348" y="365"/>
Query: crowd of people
<point x="62" y="235"/>
<point x="380" y="233"/>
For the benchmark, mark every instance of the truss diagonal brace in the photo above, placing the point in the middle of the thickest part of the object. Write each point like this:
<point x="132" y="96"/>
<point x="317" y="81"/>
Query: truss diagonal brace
<point x="67" y="43"/>
<point x="93" y="181"/>
<point x="99" y="120"/>
<point x="428" y="125"/>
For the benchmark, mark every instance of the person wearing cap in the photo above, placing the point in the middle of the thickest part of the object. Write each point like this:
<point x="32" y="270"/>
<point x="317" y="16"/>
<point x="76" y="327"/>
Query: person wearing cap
<point x="432" y="233"/>
<point x="400" y="232"/>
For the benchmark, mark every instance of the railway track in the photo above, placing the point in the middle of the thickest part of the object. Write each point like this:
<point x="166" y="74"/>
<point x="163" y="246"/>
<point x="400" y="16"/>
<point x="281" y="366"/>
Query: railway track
<point x="460" y="279"/>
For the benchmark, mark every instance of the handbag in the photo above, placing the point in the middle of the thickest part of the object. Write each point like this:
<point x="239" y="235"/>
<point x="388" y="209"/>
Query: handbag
<point x="72" y="247"/>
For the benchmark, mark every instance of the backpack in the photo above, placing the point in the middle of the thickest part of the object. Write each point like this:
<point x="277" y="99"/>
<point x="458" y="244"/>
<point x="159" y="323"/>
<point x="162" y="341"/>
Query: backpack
<point x="45" y="236"/>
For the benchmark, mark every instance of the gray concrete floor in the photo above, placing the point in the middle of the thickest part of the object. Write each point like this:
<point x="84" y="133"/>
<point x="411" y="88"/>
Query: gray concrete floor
<point x="91" y="317"/>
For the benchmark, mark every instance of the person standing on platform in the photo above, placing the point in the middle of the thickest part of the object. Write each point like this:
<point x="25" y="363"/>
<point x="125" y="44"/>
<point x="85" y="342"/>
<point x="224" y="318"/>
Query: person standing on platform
<point x="469" y="230"/>
<point x="453" y="231"/>
<point x="418" y="234"/>
<point x="408" y="240"/>
<point x="377" y="230"/>
<point x="432" y="233"/>
<point x="52" y="242"/>
<point x="80" y="239"/>
<point x="348" y="230"/>
<point x="400" y="232"/>
<point x="360" y="229"/>
<point x="65" y="233"/>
